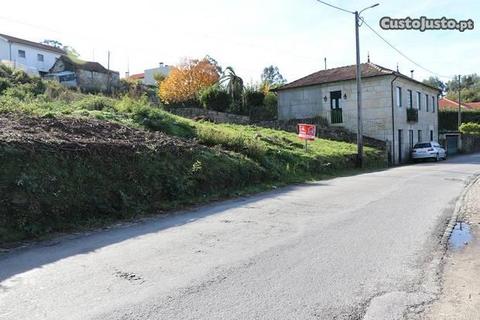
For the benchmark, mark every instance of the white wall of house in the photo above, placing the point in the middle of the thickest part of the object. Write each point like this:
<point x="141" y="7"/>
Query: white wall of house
<point x="308" y="102"/>
<point x="149" y="78"/>
<point x="32" y="61"/>
<point x="427" y="116"/>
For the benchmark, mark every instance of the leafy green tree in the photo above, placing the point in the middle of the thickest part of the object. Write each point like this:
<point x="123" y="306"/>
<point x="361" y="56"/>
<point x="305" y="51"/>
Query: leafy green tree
<point x="272" y="76"/>
<point x="53" y="43"/>
<point x="214" y="63"/>
<point x="469" y="85"/>
<point x="436" y="82"/>
<point x="57" y="44"/>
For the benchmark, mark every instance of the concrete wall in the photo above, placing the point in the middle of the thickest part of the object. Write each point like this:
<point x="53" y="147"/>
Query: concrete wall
<point x="30" y="63"/>
<point x="90" y="80"/>
<point x="310" y="102"/>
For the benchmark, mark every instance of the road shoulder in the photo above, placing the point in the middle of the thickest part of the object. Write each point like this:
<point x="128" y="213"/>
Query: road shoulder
<point x="460" y="298"/>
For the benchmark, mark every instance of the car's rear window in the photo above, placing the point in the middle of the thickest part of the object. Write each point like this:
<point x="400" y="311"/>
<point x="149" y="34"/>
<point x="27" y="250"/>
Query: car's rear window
<point x="422" y="145"/>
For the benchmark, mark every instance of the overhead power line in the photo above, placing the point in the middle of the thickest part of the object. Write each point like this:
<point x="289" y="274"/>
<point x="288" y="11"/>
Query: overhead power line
<point x="401" y="53"/>
<point x="338" y="8"/>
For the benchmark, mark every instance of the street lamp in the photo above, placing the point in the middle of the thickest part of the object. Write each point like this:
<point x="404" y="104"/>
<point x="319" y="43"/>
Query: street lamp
<point x="359" y="78"/>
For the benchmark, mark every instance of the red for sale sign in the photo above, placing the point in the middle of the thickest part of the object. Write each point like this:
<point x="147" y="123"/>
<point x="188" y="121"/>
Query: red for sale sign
<point x="307" y="131"/>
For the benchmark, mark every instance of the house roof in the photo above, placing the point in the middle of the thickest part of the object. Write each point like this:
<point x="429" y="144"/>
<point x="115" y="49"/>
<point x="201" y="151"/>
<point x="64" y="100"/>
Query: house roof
<point x="445" y="103"/>
<point x="137" y="76"/>
<point x="368" y="70"/>
<point x="85" y="65"/>
<point x="473" y="105"/>
<point x="32" y="44"/>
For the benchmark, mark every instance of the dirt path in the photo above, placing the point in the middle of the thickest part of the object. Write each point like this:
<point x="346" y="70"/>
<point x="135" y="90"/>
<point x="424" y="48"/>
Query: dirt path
<point x="460" y="299"/>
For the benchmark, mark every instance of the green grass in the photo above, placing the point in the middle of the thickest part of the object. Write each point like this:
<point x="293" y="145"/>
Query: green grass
<point x="45" y="191"/>
<point x="277" y="150"/>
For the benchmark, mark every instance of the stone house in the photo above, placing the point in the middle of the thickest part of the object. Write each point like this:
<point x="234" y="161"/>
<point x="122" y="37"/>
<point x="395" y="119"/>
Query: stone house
<point x="88" y="76"/>
<point x="32" y="57"/>
<point x="396" y="108"/>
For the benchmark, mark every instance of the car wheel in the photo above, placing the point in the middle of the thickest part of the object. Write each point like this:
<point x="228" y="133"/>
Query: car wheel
<point x="437" y="158"/>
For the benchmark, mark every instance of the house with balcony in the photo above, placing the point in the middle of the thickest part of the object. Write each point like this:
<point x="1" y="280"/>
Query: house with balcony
<point x="32" y="57"/>
<point x="396" y="109"/>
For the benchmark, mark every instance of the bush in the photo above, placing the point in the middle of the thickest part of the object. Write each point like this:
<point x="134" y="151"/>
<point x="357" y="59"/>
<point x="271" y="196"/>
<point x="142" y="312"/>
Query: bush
<point x="268" y="111"/>
<point x="253" y="98"/>
<point x="5" y="71"/>
<point x="215" y="98"/>
<point x="470" y="128"/>
<point x="95" y="103"/>
<point x="128" y="105"/>
<point x="4" y="84"/>
<point x="19" y="84"/>
<point x="55" y="91"/>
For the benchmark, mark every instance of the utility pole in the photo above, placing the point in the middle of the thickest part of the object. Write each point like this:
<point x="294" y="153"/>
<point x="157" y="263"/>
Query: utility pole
<point x="108" y="68"/>
<point x="459" y="101"/>
<point x="359" y="94"/>
<point x="359" y="77"/>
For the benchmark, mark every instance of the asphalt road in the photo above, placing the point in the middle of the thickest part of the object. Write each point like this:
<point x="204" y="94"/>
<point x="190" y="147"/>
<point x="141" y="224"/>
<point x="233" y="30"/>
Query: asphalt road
<point x="347" y="248"/>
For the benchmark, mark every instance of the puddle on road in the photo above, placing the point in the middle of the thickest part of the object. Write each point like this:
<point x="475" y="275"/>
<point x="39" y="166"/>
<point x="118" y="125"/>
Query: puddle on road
<point x="461" y="236"/>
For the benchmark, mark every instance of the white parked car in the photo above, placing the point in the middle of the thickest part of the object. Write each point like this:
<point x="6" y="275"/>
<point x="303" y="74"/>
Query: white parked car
<point x="428" y="150"/>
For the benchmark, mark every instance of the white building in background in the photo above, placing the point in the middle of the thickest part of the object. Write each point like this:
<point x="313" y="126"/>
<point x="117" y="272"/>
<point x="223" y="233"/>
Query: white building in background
<point x="32" y="57"/>
<point x="148" y="76"/>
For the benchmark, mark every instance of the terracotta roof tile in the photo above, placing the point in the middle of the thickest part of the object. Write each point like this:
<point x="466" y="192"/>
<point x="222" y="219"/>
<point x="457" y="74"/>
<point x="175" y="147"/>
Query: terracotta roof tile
<point x="137" y="76"/>
<point x="473" y="105"/>
<point x="445" y="104"/>
<point x="368" y="70"/>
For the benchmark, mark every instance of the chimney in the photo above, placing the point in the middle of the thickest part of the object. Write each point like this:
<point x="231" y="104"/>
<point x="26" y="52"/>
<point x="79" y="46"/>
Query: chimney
<point x="127" y="74"/>
<point x="325" y="61"/>
<point x="411" y="73"/>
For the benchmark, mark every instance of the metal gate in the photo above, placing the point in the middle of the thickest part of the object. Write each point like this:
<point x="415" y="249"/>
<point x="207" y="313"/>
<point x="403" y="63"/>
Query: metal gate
<point x="452" y="144"/>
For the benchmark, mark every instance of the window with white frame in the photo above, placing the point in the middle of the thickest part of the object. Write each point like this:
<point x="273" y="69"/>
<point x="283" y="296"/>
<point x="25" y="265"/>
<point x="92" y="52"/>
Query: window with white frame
<point x="433" y="104"/>
<point x="40" y="57"/>
<point x="21" y="54"/>
<point x="419" y="101"/>
<point x="426" y="102"/>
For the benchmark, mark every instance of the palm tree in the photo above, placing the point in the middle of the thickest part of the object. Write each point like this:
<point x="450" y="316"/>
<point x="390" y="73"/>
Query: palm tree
<point x="234" y="84"/>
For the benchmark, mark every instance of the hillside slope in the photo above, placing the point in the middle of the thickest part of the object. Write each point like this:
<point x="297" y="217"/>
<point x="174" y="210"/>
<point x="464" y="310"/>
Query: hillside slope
<point x="71" y="160"/>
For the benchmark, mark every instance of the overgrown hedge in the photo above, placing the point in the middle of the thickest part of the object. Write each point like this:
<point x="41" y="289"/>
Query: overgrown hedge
<point x="448" y="119"/>
<point x="49" y="190"/>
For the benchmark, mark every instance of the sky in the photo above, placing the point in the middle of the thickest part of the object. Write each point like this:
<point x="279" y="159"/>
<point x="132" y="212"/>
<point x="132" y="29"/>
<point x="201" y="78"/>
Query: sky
<point x="295" y="35"/>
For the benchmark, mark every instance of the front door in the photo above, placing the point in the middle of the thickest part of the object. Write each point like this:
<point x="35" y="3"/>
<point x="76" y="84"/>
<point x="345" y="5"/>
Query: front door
<point x="335" y="97"/>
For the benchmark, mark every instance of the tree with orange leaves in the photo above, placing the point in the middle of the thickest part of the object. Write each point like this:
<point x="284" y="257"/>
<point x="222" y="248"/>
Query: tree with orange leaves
<point x="186" y="80"/>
